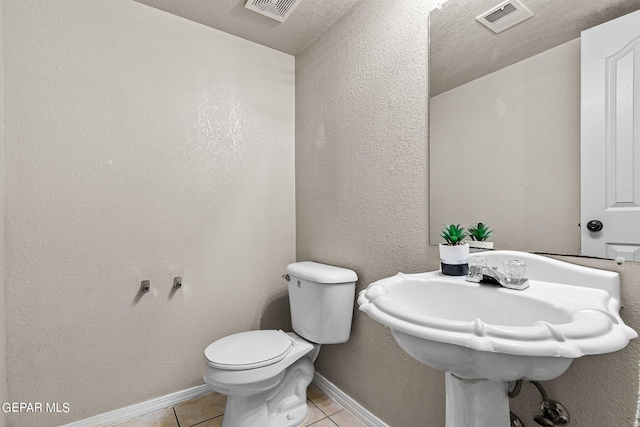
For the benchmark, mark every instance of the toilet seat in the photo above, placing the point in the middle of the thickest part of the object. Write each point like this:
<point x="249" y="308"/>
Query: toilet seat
<point x="248" y="350"/>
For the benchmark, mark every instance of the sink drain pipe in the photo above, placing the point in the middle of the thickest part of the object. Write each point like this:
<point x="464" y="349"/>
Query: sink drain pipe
<point x="553" y="412"/>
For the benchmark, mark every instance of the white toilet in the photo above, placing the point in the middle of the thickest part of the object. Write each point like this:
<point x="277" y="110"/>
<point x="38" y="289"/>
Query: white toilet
<point x="265" y="373"/>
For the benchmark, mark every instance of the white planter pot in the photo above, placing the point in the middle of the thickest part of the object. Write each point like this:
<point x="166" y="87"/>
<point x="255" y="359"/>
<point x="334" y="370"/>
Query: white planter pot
<point x="454" y="260"/>
<point x="474" y="244"/>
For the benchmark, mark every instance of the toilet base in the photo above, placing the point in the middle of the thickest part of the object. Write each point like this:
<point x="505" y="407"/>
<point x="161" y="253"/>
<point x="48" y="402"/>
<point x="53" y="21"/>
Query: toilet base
<point x="285" y="405"/>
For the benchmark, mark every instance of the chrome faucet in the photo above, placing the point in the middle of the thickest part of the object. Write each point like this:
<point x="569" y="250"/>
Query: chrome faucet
<point x="514" y="279"/>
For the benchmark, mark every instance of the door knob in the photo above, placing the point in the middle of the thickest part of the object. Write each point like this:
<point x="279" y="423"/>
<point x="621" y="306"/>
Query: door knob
<point x="594" y="225"/>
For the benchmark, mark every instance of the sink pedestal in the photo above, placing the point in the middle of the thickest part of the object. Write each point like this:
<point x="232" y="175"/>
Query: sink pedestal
<point x="476" y="403"/>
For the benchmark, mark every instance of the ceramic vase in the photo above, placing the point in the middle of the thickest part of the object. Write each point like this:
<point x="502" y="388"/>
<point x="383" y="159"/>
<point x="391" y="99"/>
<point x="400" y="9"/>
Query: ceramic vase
<point x="454" y="260"/>
<point x="475" y="245"/>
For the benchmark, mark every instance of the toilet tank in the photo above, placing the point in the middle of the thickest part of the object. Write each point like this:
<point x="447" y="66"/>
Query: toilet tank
<point x="321" y="299"/>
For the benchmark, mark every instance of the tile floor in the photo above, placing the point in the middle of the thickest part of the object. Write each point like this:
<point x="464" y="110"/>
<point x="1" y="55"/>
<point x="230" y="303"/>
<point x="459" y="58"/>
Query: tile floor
<point x="206" y="411"/>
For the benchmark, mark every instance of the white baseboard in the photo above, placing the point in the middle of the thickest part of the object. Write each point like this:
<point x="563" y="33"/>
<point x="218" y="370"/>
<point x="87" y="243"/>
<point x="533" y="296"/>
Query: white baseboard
<point x="342" y="398"/>
<point x="172" y="399"/>
<point x="142" y="408"/>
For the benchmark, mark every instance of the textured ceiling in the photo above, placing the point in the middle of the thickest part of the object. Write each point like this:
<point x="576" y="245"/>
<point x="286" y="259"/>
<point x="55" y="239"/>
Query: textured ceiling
<point x="462" y="50"/>
<point x="310" y="19"/>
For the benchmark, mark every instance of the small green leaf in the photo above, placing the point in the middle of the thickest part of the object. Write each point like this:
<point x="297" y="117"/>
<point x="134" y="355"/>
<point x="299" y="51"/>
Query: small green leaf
<point x="453" y="234"/>
<point x="480" y="232"/>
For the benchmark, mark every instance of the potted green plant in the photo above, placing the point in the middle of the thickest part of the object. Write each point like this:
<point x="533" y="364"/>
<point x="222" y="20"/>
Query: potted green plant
<point x="454" y="253"/>
<point x="480" y="234"/>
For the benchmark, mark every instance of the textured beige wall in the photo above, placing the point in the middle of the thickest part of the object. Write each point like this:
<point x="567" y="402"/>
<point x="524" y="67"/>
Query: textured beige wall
<point x="507" y="132"/>
<point x="361" y="189"/>
<point x="139" y="146"/>
<point x="3" y="306"/>
<point x="361" y="200"/>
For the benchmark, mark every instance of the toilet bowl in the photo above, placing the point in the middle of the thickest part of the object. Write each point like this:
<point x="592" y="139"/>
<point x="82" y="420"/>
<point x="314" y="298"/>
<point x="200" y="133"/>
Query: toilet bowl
<point x="260" y="395"/>
<point x="265" y="373"/>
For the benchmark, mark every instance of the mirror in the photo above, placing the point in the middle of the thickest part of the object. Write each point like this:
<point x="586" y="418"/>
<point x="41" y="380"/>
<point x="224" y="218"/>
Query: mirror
<point x="504" y="114"/>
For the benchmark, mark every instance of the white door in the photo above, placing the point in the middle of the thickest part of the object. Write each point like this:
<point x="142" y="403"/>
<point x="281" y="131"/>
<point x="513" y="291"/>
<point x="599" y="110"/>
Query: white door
<point x="610" y="139"/>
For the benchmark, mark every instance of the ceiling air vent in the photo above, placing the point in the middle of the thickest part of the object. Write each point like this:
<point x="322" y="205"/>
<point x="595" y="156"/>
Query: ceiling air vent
<point x="274" y="9"/>
<point x="505" y="15"/>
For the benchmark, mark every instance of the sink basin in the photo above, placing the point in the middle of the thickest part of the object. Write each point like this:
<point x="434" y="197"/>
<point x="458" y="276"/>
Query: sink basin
<point x="475" y="331"/>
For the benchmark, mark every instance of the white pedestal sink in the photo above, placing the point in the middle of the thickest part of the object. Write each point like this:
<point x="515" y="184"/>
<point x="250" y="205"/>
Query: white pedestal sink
<point x="484" y="336"/>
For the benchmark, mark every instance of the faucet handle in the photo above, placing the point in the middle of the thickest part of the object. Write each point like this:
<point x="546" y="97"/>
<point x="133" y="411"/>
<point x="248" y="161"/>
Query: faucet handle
<point x="476" y="264"/>
<point x="477" y="261"/>
<point x="514" y="270"/>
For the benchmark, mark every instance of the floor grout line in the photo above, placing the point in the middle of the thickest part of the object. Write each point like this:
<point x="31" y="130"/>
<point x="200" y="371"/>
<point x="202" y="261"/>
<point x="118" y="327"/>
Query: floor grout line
<point x="173" y="408"/>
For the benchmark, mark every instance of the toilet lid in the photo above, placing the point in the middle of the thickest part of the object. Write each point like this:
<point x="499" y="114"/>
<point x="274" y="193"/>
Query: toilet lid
<point x="248" y="350"/>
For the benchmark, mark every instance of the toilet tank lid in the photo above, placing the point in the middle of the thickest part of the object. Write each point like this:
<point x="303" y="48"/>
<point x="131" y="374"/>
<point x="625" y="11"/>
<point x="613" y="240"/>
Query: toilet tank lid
<point x="321" y="273"/>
